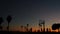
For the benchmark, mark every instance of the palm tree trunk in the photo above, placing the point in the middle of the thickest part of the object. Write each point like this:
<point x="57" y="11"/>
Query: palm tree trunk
<point x="8" y="26"/>
<point x="0" y="27"/>
<point x="44" y="27"/>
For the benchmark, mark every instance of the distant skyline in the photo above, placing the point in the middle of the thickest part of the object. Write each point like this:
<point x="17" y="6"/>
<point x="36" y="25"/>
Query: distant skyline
<point x="30" y="11"/>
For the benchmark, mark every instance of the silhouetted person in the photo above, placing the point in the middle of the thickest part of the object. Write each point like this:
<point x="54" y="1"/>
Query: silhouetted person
<point x="1" y="20"/>
<point x="8" y="19"/>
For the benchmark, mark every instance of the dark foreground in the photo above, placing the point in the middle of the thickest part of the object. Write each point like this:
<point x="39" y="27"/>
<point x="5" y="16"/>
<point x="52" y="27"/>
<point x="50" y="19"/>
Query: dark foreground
<point x="17" y="32"/>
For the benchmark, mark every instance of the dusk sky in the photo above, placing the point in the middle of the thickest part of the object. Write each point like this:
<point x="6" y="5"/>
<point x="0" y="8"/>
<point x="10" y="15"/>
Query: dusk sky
<point x="30" y="11"/>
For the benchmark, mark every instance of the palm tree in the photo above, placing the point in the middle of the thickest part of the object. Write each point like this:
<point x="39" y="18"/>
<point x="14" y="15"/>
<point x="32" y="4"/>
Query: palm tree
<point x="42" y="22"/>
<point x="27" y="26"/>
<point x="22" y="28"/>
<point x="1" y="20"/>
<point x="40" y="25"/>
<point x="8" y="19"/>
<point x="43" y="25"/>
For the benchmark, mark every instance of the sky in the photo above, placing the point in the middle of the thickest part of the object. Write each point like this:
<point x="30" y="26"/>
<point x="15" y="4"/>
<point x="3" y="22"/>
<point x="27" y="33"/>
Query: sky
<point x="30" y="12"/>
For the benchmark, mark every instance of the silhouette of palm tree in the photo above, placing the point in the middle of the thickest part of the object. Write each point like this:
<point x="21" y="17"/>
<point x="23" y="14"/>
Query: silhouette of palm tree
<point x="27" y="26"/>
<point x="21" y="27"/>
<point x="1" y="20"/>
<point x="8" y="19"/>
<point x="42" y="22"/>
<point x="40" y="25"/>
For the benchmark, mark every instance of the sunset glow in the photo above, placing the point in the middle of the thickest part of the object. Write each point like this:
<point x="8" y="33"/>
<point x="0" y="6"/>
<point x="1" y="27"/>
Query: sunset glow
<point x="30" y="15"/>
<point x="34" y="29"/>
